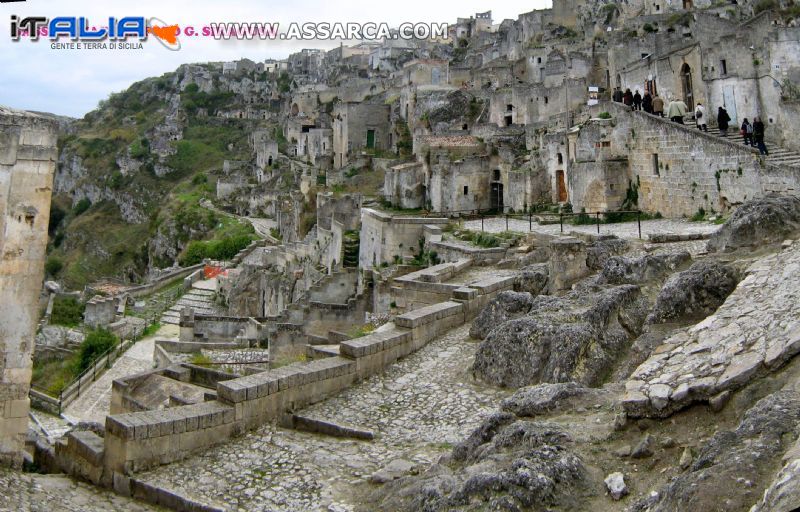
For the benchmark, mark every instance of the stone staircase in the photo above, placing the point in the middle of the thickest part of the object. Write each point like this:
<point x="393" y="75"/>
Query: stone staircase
<point x="777" y="154"/>
<point x="351" y="245"/>
<point x="201" y="300"/>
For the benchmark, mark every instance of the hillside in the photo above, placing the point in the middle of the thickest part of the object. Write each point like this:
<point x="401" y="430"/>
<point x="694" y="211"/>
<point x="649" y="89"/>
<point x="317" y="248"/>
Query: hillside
<point x="131" y="174"/>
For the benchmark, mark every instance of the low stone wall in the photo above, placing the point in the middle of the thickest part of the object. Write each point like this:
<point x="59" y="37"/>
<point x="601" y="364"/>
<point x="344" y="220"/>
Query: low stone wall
<point x="479" y="256"/>
<point x="136" y="441"/>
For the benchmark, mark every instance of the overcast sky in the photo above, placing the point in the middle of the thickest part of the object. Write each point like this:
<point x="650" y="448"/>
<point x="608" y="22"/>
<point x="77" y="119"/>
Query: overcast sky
<point x="33" y="76"/>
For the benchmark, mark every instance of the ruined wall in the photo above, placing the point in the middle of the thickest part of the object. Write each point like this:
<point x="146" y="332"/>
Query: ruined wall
<point x="27" y="162"/>
<point x="383" y="236"/>
<point x="404" y="185"/>
<point x="459" y="185"/>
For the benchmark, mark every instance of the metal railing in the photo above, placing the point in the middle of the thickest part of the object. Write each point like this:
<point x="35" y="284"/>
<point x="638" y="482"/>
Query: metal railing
<point x="75" y="387"/>
<point x="493" y="213"/>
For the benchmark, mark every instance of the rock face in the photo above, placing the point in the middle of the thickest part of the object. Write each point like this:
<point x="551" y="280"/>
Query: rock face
<point x="762" y="221"/>
<point x="599" y="251"/>
<point x="694" y="293"/>
<point x="576" y="337"/>
<point x="534" y="400"/>
<point x="506" y="306"/>
<point x="783" y="494"/>
<point x="505" y="464"/>
<point x="755" y="331"/>
<point x="623" y="270"/>
<point x="532" y="279"/>
<point x="725" y="471"/>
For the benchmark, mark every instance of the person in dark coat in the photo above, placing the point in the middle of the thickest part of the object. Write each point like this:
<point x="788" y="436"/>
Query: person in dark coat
<point x="722" y="121"/>
<point x="758" y="135"/>
<point x="617" y="95"/>
<point x="627" y="98"/>
<point x="747" y="132"/>
<point x="647" y="103"/>
<point x="637" y="101"/>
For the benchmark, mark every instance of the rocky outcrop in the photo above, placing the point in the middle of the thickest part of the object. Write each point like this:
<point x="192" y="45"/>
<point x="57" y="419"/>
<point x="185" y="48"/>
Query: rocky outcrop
<point x="535" y="400"/>
<point x="754" y="332"/>
<point x="577" y="337"/>
<point x="624" y="270"/>
<point x="532" y="279"/>
<point x="506" y="306"/>
<point x="694" y="293"/>
<point x="733" y="463"/>
<point x="763" y="221"/>
<point x="783" y="494"/>
<point x="599" y="251"/>
<point x="505" y="464"/>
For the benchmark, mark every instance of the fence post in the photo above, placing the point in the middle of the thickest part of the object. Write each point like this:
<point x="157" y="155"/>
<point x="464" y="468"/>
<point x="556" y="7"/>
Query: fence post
<point x="60" y="400"/>
<point x="530" y="222"/>
<point x="481" y="222"/>
<point x="639" y="222"/>
<point x="597" y="214"/>
<point x="561" y="221"/>
<point x="506" y="222"/>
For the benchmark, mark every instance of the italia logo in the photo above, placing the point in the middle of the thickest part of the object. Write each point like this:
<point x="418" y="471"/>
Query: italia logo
<point x="80" y="29"/>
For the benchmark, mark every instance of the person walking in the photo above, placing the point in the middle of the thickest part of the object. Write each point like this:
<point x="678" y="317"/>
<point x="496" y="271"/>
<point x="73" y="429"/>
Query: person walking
<point x="758" y="135"/>
<point x="747" y="132"/>
<point x="617" y="95"/>
<point x="647" y="103"/>
<point x="722" y="121"/>
<point x="676" y="110"/>
<point x="637" y="101"/>
<point x="627" y="98"/>
<point x="658" y="106"/>
<point x="700" y="117"/>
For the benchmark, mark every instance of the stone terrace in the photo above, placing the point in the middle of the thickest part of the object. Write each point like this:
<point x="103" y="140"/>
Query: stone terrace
<point x="417" y="403"/>
<point x="754" y="332"/>
<point x="627" y="230"/>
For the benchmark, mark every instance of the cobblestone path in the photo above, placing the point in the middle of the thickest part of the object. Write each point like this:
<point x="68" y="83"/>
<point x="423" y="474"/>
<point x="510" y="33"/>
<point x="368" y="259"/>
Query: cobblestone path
<point x="417" y="409"/>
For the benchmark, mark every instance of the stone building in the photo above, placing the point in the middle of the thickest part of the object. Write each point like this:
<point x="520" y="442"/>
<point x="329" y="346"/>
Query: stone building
<point x="357" y="127"/>
<point x="27" y="163"/>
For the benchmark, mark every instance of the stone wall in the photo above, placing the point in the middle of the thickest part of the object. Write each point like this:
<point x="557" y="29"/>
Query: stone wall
<point x="384" y="236"/>
<point x="100" y="311"/>
<point x="137" y="441"/>
<point x="27" y="162"/>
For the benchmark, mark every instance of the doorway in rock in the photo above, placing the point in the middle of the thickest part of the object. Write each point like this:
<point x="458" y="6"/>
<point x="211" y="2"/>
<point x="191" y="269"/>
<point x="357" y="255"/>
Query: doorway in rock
<point x="561" y="184"/>
<point x="497" y="197"/>
<point x="686" y="84"/>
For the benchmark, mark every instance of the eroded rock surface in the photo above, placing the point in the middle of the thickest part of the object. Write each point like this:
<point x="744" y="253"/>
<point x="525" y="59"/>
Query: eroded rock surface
<point x="694" y="293"/>
<point x="723" y="475"/>
<point x="763" y="221"/>
<point x="755" y="331"/>
<point x="506" y="306"/>
<point x="532" y="279"/>
<point x="624" y="270"/>
<point x="576" y="337"/>
<point x="505" y="464"/>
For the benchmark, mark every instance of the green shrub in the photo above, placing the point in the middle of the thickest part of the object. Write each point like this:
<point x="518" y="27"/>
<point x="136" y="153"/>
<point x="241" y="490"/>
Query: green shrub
<point x="95" y="345"/>
<point x="222" y="249"/>
<point x="53" y="265"/>
<point x="200" y="359"/>
<point x="81" y="206"/>
<point x="604" y="115"/>
<point x="67" y="311"/>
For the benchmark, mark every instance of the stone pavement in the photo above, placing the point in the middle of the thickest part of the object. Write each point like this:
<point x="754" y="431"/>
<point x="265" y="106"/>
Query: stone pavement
<point x="29" y="492"/>
<point x="94" y="403"/>
<point x="628" y="230"/>
<point x="754" y="332"/>
<point x="417" y="409"/>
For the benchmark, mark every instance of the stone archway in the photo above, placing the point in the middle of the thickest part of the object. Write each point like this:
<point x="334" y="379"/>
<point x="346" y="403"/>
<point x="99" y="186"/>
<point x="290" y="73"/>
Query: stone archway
<point x="686" y="86"/>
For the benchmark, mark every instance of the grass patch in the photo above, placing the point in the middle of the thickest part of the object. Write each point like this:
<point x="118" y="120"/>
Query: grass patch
<point x="67" y="311"/>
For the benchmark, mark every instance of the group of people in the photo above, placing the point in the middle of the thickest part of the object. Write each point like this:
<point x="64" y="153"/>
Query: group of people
<point x="752" y="133"/>
<point x="648" y="103"/>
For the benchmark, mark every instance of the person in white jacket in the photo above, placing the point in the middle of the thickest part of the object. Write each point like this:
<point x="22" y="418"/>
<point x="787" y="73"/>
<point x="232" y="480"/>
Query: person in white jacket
<point x="700" y="117"/>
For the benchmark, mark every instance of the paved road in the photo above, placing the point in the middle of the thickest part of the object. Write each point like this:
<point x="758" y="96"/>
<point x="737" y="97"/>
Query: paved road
<point x="94" y="404"/>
